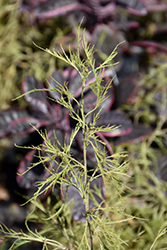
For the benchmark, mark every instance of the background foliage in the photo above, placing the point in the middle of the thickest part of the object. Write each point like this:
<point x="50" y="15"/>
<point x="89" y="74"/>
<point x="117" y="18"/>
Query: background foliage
<point x="145" y="199"/>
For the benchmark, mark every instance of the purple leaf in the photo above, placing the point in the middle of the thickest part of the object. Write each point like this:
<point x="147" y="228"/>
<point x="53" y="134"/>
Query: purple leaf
<point x="65" y="122"/>
<point x="135" y="7"/>
<point x="56" y="138"/>
<point x="115" y="118"/>
<point x="160" y="104"/>
<point x="162" y="168"/>
<point x="124" y="24"/>
<point x="36" y="99"/>
<point x="53" y="82"/>
<point x="105" y="40"/>
<point x="126" y="90"/>
<point x="75" y="85"/>
<point x="154" y="45"/>
<point x="107" y="144"/>
<point x="23" y="125"/>
<point x="108" y="102"/>
<point x="33" y="3"/>
<point x="27" y="180"/>
<point x="17" y="121"/>
<point x="101" y="11"/>
<point x="139" y="133"/>
<point x="52" y="8"/>
<point x="69" y="73"/>
<point x="156" y="6"/>
<point x="90" y="100"/>
<point x="78" y="208"/>
<point x="104" y="149"/>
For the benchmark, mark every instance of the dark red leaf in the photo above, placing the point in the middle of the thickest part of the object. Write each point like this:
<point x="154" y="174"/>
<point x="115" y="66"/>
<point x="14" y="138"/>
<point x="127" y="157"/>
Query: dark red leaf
<point x="101" y="11"/>
<point x="56" y="138"/>
<point x="115" y="118"/>
<point x="157" y="6"/>
<point x="110" y="97"/>
<point x="155" y="45"/>
<point x="17" y="121"/>
<point x="90" y="98"/>
<point x="23" y="125"/>
<point x="135" y="7"/>
<point x="75" y="84"/>
<point x="78" y="208"/>
<point x="36" y="99"/>
<point x="105" y="149"/>
<point x="105" y="40"/>
<point x="89" y="101"/>
<point x="52" y="8"/>
<point x="139" y="133"/>
<point x="28" y="179"/>
<point x="53" y="82"/>
<point x="126" y="90"/>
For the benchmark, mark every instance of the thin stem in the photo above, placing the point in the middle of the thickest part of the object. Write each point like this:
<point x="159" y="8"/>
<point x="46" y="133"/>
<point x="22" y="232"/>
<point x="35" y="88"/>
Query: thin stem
<point x="86" y="186"/>
<point x="90" y="234"/>
<point x="84" y="132"/>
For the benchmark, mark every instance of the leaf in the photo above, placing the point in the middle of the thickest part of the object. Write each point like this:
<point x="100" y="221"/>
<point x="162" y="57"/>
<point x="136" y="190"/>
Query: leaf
<point x="103" y="245"/>
<point x="53" y="82"/>
<point x="152" y="44"/>
<point x="31" y="171"/>
<point x="162" y="168"/>
<point x="89" y="103"/>
<point x="73" y="196"/>
<point x="100" y="10"/>
<point x="102" y="150"/>
<point x="108" y="95"/>
<point x="27" y="174"/>
<point x="36" y="99"/>
<point x="24" y="125"/>
<point x="52" y="8"/>
<point x="135" y="7"/>
<point x="105" y="40"/>
<point x="138" y="133"/>
<point x="108" y="102"/>
<point x="75" y="83"/>
<point x="126" y="90"/>
<point x="17" y="121"/>
<point x="53" y="143"/>
<point x="90" y="94"/>
<point x="115" y="118"/>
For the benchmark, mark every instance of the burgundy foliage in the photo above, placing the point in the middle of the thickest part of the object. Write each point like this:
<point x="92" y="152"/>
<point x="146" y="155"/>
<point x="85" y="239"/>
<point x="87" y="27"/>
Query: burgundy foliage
<point x="102" y="20"/>
<point x="43" y="9"/>
<point x="47" y="113"/>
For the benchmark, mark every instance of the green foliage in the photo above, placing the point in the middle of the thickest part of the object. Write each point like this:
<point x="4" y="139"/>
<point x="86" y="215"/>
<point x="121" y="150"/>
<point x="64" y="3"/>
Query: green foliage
<point x="148" y="200"/>
<point x="56" y="221"/>
<point x="136" y="220"/>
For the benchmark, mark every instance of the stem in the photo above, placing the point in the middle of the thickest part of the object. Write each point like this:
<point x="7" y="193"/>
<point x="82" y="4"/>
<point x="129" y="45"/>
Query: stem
<point x="86" y="184"/>
<point x="90" y="233"/>
<point x="84" y="136"/>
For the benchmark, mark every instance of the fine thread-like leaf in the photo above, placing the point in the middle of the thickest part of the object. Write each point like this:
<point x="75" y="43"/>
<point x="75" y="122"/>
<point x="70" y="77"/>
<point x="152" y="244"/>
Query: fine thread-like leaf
<point x="71" y="171"/>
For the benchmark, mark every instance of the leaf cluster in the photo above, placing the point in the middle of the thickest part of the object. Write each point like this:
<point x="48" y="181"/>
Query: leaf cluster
<point x="73" y="172"/>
